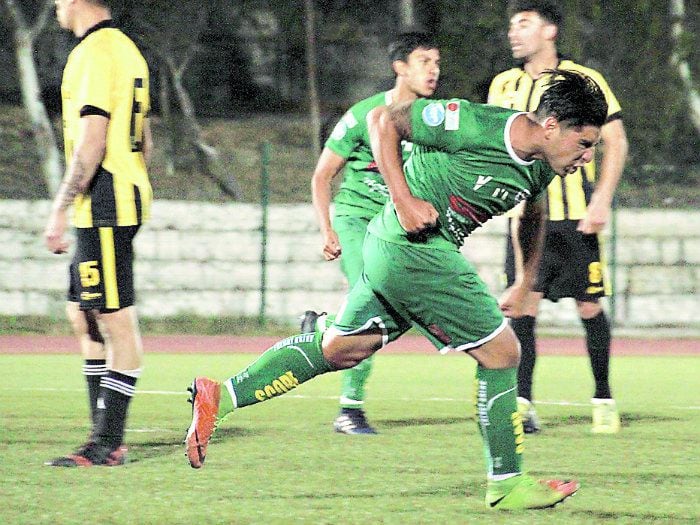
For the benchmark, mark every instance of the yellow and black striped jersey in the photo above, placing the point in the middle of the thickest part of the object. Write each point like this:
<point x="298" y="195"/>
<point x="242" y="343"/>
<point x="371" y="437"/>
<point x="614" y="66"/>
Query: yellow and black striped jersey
<point x="567" y="197"/>
<point x="107" y="75"/>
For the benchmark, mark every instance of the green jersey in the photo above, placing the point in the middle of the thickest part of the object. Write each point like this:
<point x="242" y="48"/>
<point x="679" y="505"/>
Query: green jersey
<point x="363" y="192"/>
<point x="463" y="163"/>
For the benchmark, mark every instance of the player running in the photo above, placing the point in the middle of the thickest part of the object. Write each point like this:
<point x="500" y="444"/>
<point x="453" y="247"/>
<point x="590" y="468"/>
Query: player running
<point x="415" y="60"/>
<point x="470" y="162"/>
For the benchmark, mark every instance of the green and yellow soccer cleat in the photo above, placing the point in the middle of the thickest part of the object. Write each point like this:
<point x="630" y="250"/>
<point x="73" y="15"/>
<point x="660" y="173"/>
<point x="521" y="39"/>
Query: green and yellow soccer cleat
<point x="524" y="492"/>
<point x="531" y="423"/>
<point x="606" y="418"/>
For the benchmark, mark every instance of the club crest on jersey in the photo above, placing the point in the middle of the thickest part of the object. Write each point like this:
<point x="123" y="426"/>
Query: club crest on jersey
<point x="433" y="114"/>
<point x="452" y="116"/>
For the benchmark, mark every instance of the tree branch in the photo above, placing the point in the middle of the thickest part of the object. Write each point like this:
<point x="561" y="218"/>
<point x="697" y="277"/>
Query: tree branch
<point x="41" y="20"/>
<point x="17" y="15"/>
<point x="677" y="11"/>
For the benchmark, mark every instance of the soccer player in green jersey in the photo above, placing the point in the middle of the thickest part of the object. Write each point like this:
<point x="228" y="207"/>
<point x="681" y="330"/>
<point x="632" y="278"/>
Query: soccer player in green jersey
<point x="469" y="163"/>
<point x="415" y="61"/>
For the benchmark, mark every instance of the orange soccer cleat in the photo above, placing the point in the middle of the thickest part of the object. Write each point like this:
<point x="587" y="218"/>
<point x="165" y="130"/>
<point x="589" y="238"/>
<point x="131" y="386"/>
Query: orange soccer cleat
<point x="206" y="394"/>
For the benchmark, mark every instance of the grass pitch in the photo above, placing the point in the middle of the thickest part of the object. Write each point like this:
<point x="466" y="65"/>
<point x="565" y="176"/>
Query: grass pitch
<point x="280" y="461"/>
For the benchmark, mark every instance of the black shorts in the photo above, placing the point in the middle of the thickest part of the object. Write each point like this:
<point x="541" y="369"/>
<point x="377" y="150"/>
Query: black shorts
<point x="571" y="265"/>
<point x="101" y="274"/>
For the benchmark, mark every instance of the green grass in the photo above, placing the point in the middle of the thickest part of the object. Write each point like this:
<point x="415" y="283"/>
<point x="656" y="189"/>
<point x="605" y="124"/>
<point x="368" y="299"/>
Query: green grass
<point x="279" y="462"/>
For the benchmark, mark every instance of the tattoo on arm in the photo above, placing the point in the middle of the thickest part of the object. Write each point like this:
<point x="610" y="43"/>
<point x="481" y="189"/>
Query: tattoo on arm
<point x="72" y="184"/>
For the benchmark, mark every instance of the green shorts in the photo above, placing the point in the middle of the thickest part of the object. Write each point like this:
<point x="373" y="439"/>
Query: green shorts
<point x="351" y="234"/>
<point x="437" y="291"/>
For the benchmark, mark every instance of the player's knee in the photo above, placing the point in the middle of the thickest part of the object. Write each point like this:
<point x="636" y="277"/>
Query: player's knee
<point x="501" y="352"/>
<point x="587" y="309"/>
<point x="77" y="319"/>
<point x="343" y="351"/>
<point x="338" y="354"/>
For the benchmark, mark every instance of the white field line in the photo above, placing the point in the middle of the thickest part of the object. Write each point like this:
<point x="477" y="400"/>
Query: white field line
<point x="184" y="393"/>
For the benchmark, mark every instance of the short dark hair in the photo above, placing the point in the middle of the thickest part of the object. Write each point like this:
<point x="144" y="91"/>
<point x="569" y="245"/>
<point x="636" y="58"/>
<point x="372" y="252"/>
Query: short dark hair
<point x="547" y="9"/>
<point x="408" y="42"/>
<point x="573" y="98"/>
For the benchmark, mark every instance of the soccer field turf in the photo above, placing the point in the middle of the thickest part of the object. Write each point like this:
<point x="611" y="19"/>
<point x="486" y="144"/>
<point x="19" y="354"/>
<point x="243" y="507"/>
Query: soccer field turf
<point x="280" y="461"/>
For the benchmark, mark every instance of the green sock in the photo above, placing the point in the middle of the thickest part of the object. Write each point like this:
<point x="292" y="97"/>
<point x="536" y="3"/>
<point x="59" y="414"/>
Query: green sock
<point x="498" y="419"/>
<point x="352" y="391"/>
<point x="278" y="370"/>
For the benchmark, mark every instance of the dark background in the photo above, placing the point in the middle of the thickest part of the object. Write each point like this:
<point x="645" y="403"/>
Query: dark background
<point x="250" y="59"/>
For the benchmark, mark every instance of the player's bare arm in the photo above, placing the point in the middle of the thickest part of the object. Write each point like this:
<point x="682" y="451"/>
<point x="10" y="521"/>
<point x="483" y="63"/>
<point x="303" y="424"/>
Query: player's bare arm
<point x="327" y="168"/>
<point x="614" y="154"/>
<point x="527" y="232"/>
<point x="387" y="127"/>
<point x="88" y="155"/>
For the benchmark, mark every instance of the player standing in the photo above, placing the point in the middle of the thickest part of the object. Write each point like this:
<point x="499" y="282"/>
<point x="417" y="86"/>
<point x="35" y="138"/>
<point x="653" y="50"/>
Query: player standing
<point x="578" y="209"/>
<point x="105" y="94"/>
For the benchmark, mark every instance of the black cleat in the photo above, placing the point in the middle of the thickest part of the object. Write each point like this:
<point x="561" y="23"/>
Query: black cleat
<point x="92" y="454"/>
<point x="308" y="321"/>
<point x="352" y="421"/>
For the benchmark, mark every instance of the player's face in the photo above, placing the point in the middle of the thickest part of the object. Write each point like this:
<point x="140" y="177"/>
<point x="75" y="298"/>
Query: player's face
<point x="528" y="33"/>
<point x="423" y="71"/>
<point x="569" y="148"/>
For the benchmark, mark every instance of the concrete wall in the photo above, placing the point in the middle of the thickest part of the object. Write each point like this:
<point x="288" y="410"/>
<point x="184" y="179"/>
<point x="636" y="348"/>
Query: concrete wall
<point x="204" y="259"/>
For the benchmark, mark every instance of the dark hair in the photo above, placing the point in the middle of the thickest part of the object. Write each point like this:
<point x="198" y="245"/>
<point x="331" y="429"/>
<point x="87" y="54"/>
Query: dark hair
<point x="408" y="42"/>
<point x="573" y="98"/>
<point x="547" y="9"/>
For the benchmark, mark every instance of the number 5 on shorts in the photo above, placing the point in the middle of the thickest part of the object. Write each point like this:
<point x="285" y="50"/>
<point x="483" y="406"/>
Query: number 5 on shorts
<point x="89" y="274"/>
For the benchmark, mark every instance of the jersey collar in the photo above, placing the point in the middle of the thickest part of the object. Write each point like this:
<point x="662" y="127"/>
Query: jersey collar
<point x="100" y="25"/>
<point x="509" y="145"/>
<point x="560" y="59"/>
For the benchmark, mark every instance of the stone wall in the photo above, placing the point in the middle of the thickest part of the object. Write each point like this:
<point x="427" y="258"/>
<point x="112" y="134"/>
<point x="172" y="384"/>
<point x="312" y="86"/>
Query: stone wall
<point x="204" y="259"/>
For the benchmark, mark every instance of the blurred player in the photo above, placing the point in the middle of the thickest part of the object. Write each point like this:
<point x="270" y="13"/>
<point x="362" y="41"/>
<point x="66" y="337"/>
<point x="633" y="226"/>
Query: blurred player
<point x="578" y="209"/>
<point x="107" y="142"/>
<point x="415" y="61"/>
<point x="469" y="163"/>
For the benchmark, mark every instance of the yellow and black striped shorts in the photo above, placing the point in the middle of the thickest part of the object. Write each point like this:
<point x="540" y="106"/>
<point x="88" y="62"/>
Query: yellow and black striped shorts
<point x="101" y="272"/>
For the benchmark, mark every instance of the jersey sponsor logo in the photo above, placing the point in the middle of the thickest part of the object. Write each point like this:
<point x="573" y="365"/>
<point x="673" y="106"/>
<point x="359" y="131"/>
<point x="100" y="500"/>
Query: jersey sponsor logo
<point x="376" y="187"/>
<point x="452" y="116"/>
<point x="468" y="210"/>
<point x="463" y="218"/>
<point x="481" y="181"/>
<point x="433" y="114"/>
<point x="281" y="385"/>
<point x="89" y="296"/>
